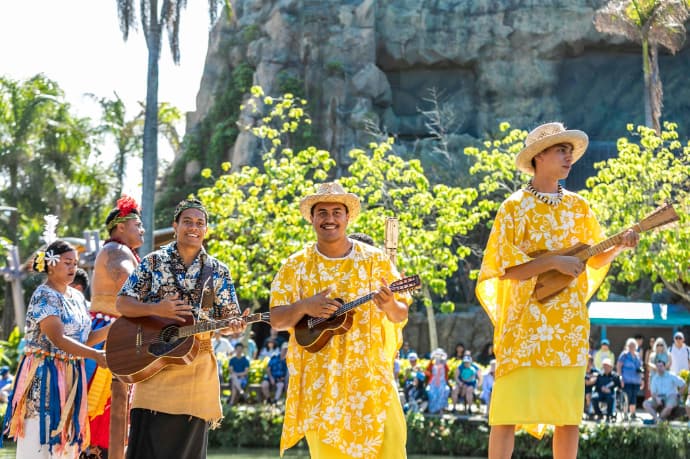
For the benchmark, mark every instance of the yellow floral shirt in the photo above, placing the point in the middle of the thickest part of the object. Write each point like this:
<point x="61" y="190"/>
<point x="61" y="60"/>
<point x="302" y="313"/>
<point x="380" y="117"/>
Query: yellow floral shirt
<point x="342" y="391"/>
<point x="528" y="333"/>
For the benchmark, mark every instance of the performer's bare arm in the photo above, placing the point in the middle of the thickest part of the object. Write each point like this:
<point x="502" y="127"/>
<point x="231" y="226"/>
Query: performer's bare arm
<point x="53" y="328"/>
<point x="286" y="316"/>
<point x="98" y="336"/>
<point x="114" y="264"/>
<point x="170" y="307"/>
<point x="572" y="266"/>
<point x="385" y="300"/>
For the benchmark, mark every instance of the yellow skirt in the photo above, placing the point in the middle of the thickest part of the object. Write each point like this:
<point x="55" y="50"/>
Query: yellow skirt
<point x="532" y="398"/>
<point x="394" y="439"/>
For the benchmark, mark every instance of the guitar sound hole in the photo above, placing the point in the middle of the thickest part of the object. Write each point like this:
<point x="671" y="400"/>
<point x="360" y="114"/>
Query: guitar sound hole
<point x="169" y="334"/>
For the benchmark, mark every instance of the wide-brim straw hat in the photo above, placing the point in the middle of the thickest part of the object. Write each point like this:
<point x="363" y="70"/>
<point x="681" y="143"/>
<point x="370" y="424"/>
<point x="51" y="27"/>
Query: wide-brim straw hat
<point x="330" y="192"/>
<point x="548" y="135"/>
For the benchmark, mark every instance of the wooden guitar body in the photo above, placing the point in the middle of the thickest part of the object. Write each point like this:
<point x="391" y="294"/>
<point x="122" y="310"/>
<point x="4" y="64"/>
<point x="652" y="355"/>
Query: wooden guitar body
<point x="139" y="347"/>
<point x="551" y="282"/>
<point x="313" y="333"/>
<point x="314" y="338"/>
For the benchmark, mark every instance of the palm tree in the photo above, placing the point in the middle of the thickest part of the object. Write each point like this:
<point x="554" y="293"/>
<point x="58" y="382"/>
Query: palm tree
<point x="47" y="165"/>
<point x="651" y="23"/>
<point x="127" y="133"/>
<point x="153" y="21"/>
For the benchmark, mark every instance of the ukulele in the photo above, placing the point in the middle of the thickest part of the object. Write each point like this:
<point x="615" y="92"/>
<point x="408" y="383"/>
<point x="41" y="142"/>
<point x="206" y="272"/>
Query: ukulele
<point x="550" y="283"/>
<point x="312" y="333"/>
<point x="139" y="347"/>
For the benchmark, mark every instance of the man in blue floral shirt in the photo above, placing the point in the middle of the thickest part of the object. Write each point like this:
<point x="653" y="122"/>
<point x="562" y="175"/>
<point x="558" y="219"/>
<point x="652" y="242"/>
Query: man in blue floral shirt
<point x="173" y="409"/>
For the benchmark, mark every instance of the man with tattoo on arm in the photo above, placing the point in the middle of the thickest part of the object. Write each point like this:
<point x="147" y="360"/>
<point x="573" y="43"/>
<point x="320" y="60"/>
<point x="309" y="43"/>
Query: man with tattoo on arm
<point x="114" y="263"/>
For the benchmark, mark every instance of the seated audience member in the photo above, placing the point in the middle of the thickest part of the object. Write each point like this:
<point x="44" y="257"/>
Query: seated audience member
<point x="467" y="378"/>
<point x="239" y="373"/>
<point x="605" y="389"/>
<point x="416" y="397"/>
<point x="411" y="372"/>
<point x="276" y="376"/>
<point x="405" y="351"/>
<point x="459" y="352"/>
<point x="665" y="388"/>
<point x="269" y="349"/>
<point x="488" y="384"/>
<point x="604" y="352"/>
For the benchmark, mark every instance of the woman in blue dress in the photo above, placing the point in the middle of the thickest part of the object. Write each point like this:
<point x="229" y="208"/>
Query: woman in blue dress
<point x="47" y="409"/>
<point x="438" y="389"/>
<point x="630" y="369"/>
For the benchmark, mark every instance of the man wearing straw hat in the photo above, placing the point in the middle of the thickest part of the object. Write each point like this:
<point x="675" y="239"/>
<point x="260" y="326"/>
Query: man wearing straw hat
<point x="541" y="347"/>
<point x="343" y="397"/>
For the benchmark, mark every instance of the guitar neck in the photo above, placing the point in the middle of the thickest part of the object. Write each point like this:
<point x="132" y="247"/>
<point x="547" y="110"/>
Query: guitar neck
<point x="212" y="325"/>
<point x="602" y="246"/>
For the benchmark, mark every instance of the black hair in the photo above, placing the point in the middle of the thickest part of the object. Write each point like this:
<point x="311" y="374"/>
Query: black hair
<point x="57" y="247"/>
<point x="81" y="278"/>
<point x="362" y="237"/>
<point x="114" y="213"/>
<point x="191" y="203"/>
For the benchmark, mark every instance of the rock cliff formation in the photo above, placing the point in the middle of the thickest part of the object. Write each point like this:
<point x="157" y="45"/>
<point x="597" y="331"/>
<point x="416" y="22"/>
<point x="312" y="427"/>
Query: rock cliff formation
<point x="376" y="61"/>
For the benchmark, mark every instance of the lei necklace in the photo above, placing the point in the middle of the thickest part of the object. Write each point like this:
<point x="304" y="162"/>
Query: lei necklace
<point x="546" y="198"/>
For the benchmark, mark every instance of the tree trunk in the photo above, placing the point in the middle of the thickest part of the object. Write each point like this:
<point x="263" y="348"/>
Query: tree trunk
<point x="431" y="317"/>
<point x="150" y="161"/>
<point x="646" y="71"/>
<point x="655" y="89"/>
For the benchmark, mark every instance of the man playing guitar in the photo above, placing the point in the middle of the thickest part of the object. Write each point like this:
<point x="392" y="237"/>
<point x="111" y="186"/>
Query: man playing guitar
<point x="173" y="409"/>
<point x="342" y="397"/>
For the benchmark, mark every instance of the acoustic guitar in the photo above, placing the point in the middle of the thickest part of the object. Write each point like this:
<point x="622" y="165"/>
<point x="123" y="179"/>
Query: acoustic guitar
<point x="550" y="283"/>
<point x="139" y="347"/>
<point x="312" y="333"/>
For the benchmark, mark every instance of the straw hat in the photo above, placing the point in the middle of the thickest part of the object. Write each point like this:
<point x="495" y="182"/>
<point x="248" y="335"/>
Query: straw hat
<point x="330" y="192"/>
<point x="545" y="136"/>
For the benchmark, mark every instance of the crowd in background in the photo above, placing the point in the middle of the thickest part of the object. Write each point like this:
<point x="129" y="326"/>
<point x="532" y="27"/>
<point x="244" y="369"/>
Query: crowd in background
<point x="428" y="384"/>
<point x="657" y="372"/>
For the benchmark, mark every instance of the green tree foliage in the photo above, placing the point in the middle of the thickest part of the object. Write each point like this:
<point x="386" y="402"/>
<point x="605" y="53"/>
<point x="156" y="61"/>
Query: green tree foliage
<point x="47" y="162"/>
<point x="256" y="222"/>
<point x="47" y="165"/>
<point x="649" y="170"/>
<point x="127" y="132"/>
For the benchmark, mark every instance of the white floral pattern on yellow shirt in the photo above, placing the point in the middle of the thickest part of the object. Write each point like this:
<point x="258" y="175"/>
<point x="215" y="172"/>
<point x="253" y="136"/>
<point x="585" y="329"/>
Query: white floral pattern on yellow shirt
<point x="528" y="333"/>
<point x="342" y="391"/>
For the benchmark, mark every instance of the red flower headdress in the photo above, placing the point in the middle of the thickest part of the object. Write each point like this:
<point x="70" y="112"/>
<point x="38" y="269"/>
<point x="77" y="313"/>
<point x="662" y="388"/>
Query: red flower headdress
<point x="129" y="210"/>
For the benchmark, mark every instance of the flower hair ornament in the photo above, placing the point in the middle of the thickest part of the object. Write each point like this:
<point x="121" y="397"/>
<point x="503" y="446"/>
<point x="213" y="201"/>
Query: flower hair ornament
<point x="49" y="236"/>
<point x="128" y="210"/>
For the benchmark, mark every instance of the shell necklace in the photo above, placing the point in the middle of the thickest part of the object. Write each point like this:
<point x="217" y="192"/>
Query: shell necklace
<point x="547" y="198"/>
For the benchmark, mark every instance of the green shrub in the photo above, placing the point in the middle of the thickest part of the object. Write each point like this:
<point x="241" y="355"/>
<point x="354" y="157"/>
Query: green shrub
<point x="260" y="426"/>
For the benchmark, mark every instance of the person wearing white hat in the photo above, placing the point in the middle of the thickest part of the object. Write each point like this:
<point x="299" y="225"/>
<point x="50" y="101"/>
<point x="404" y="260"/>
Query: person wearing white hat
<point x="342" y="397"/>
<point x="538" y="343"/>
<point x="680" y="354"/>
